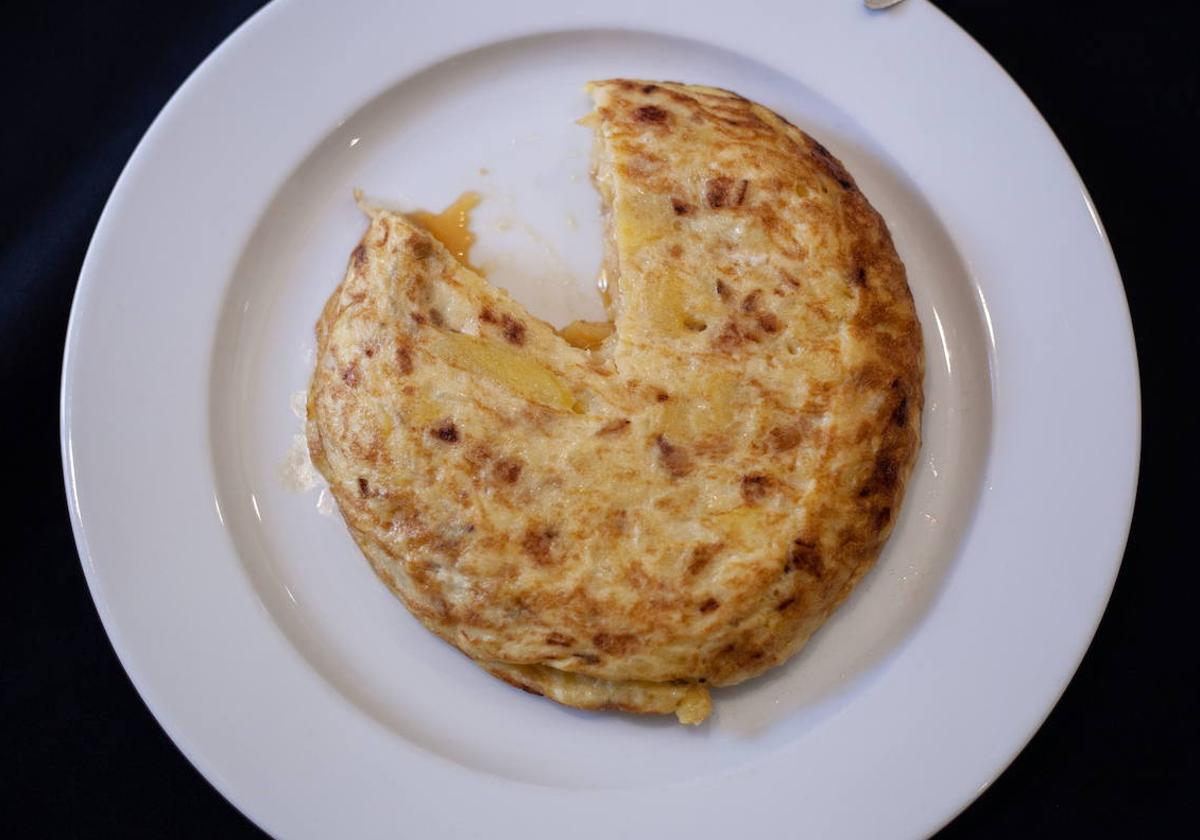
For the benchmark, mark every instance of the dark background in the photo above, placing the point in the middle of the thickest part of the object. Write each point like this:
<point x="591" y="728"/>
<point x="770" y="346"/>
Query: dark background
<point x="81" y="756"/>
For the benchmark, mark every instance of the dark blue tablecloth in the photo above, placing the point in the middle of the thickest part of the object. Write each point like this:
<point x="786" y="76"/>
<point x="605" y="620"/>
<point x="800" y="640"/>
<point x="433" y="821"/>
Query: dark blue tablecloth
<point x="81" y="756"/>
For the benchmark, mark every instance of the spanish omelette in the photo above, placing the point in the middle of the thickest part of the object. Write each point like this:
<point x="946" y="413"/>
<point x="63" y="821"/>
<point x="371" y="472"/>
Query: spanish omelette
<point x="678" y="503"/>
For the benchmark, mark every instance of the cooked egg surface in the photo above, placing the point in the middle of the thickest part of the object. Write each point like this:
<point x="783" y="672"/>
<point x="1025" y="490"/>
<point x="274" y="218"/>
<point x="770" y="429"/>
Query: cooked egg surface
<point x="621" y="516"/>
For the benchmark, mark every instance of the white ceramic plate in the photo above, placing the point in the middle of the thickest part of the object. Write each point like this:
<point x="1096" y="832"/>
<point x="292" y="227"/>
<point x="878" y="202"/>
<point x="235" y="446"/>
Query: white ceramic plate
<point x="302" y="689"/>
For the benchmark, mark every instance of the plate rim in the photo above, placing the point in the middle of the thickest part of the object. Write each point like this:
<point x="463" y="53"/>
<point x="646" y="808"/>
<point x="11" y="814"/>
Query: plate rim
<point x="195" y="754"/>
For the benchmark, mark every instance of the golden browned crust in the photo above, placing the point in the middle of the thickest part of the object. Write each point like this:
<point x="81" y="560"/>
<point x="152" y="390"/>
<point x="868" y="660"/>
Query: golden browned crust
<point x="680" y="508"/>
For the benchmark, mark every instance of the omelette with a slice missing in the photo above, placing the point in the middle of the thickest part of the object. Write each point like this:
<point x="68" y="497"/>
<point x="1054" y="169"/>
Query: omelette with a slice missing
<point x="627" y="518"/>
